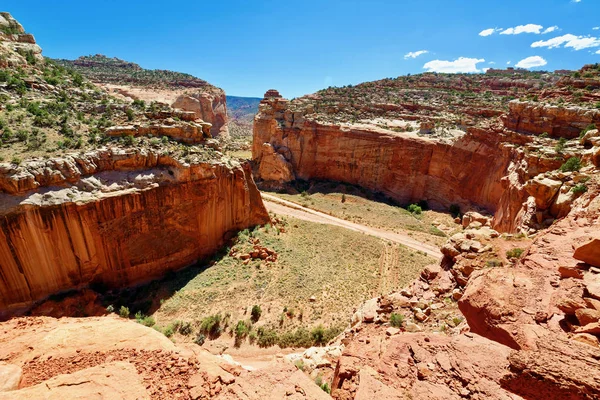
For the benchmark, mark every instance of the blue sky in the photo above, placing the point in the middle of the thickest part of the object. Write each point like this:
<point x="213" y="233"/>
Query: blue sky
<point x="247" y="47"/>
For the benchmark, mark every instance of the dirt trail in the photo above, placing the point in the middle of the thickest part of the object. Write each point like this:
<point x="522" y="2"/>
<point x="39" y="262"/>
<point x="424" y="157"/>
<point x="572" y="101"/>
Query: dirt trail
<point x="284" y="207"/>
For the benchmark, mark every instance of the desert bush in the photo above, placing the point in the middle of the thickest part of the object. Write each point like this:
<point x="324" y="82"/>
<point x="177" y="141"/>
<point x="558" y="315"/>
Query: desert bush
<point x="415" y="209"/>
<point x="211" y="326"/>
<point x="560" y="146"/>
<point x="256" y="312"/>
<point x="200" y="339"/>
<point x="514" y="253"/>
<point x="124" y="312"/>
<point x="580" y="188"/>
<point x="267" y="337"/>
<point x="144" y="320"/>
<point x="396" y="320"/>
<point x="242" y="329"/>
<point x="572" y="164"/>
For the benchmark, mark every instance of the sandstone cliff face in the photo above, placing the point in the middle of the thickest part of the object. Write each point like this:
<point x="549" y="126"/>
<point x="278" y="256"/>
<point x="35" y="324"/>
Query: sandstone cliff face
<point x="13" y="39"/>
<point x="556" y="121"/>
<point x="208" y="106"/>
<point x="114" y="216"/>
<point x="470" y="170"/>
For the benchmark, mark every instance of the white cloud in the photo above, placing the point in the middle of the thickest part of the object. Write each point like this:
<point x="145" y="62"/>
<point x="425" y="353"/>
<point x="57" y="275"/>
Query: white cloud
<point x="508" y="62"/>
<point x="598" y="52"/>
<point x="576" y="1"/>
<point x="487" y="32"/>
<point x="596" y="28"/>
<point x="462" y="64"/>
<point x="550" y="29"/>
<point x="530" y="62"/>
<point x="492" y="62"/>
<point x="415" y="54"/>
<point x="569" y="40"/>
<point x="529" y="28"/>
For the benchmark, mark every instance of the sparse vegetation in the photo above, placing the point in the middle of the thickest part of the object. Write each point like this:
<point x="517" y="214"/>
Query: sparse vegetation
<point x="255" y="313"/>
<point x="514" y="253"/>
<point x="580" y="188"/>
<point x="572" y="164"/>
<point x="396" y="320"/>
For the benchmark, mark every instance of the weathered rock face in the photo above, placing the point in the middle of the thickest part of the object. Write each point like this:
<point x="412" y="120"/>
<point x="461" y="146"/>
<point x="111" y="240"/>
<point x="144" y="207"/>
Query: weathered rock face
<point x="208" y="106"/>
<point x="557" y="121"/>
<point x="115" y="216"/>
<point x="469" y="171"/>
<point x="13" y="39"/>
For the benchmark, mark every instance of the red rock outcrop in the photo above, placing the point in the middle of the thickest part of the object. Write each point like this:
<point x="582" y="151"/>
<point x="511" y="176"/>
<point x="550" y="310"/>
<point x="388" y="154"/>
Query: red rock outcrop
<point x="114" y="216"/>
<point x="472" y="170"/>
<point x="208" y="106"/>
<point x="14" y="45"/>
<point x="556" y="121"/>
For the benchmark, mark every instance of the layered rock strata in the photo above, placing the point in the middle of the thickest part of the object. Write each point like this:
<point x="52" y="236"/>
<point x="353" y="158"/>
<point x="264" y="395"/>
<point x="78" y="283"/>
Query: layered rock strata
<point x="208" y="106"/>
<point x="114" y="216"/>
<point x="486" y="167"/>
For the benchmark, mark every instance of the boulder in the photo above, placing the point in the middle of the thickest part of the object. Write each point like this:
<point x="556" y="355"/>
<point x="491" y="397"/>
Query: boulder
<point x="544" y="190"/>
<point x="274" y="166"/>
<point x="10" y="377"/>
<point x="589" y="252"/>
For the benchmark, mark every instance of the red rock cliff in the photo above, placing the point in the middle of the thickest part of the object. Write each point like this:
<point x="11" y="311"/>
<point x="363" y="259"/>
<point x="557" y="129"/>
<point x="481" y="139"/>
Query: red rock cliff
<point x="114" y="216"/>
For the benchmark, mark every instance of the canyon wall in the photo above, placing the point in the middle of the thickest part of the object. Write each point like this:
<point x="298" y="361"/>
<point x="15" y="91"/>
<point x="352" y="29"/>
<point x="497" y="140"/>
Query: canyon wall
<point x="116" y="217"/>
<point x="468" y="170"/>
<point x="555" y="120"/>
<point x="208" y="106"/>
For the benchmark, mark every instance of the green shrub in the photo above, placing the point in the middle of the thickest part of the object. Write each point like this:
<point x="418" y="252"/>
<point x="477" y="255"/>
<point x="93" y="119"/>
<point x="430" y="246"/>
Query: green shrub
<point x="300" y="365"/>
<point x="318" y="335"/>
<point x="544" y="135"/>
<point x="242" y="329"/>
<point x="124" y="312"/>
<point x="580" y="188"/>
<point x="572" y="164"/>
<point x="144" y="320"/>
<point x="514" y="253"/>
<point x="396" y="320"/>
<point x="211" y="326"/>
<point x="129" y="140"/>
<point x="560" y="147"/>
<point x="267" y="337"/>
<point x="139" y="103"/>
<point x="168" y="331"/>
<point x="326" y="388"/>
<point x="255" y="313"/>
<point x="415" y="209"/>
<point x="200" y="339"/>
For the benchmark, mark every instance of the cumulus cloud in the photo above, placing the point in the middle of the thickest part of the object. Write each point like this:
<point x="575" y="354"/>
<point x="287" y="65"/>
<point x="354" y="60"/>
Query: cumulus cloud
<point x="415" y="54"/>
<point x="462" y="64"/>
<point x="487" y="32"/>
<point x="529" y="28"/>
<point x="550" y="29"/>
<point x="598" y="52"/>
<point x="508" y="62"/>
<point x="531" y="62"/>
<point x="596" y="28"/>
<point x="569" y="40"/>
